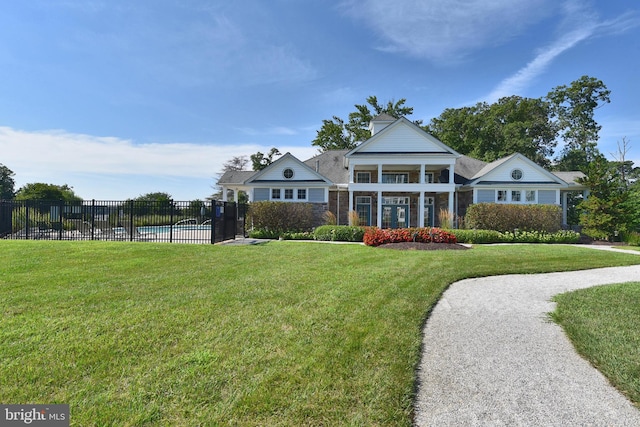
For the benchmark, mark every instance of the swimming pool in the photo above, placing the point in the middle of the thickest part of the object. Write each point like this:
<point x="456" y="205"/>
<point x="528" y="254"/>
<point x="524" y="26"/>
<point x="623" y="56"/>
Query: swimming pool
<point x="167" y="228"/>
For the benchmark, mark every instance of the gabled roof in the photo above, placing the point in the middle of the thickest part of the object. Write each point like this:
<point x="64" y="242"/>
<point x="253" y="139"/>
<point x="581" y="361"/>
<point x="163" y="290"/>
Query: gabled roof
<point x="467" y="166"/>
<point x="571" y="178"/>
<point x="390" y="128"/>
<point x="331" y="165"/>
<point x="289" y="158"/>
<point x="477" y="178"/>
<point x="235" y="177"/>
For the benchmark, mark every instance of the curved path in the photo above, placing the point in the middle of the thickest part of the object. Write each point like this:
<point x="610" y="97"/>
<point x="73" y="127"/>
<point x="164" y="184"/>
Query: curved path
<point x="493" y="358"/>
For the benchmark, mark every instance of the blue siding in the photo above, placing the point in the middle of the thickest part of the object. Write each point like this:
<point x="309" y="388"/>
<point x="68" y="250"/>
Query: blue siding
<point x="316" y="195"/>
<point x="261" y="194"/>
<point x="546" y="197"/>
<point x="486" y="196"/>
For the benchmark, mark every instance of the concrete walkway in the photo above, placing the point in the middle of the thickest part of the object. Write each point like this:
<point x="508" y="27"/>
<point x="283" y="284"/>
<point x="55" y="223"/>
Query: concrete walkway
<point x="493" y="358"/>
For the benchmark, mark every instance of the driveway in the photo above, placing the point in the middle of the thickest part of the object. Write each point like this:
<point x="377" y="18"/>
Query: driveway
<point x="493" y="358"/>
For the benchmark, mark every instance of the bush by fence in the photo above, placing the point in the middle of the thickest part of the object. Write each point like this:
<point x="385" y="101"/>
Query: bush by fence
<point x="272" y="219"/>
<point x="504" y="217"/>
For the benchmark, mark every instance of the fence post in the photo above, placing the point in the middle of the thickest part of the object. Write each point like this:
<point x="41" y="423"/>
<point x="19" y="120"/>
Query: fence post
<point x="171" y="221"/>
<point x="26" y="216"/>
<point x="93" y="219"/>
<point x="60" y="218"/>
<point x="213" y="222"/>
<point x="131" y="222"/>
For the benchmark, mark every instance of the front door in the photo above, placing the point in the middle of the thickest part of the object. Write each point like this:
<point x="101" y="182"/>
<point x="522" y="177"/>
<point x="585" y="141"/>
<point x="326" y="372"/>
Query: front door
<point x="395" y="211"/>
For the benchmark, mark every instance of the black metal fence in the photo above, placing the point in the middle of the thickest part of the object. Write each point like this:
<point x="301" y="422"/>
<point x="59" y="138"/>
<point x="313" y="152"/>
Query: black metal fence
<point x="131" y="220"/>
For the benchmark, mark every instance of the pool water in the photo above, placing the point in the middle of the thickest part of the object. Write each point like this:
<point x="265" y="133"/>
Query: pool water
<point x="167" y="228"/>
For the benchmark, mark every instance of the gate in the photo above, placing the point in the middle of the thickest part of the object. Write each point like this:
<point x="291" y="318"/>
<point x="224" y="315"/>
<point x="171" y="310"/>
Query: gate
<point x="130" y="220"/>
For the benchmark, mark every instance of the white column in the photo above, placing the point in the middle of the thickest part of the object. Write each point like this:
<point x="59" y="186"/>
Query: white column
<point x="379" y="173"/>
<point x="351" y="173"/>
<point x="379" y="215"/>
<point x="450" y="202"/>
<point x="421" y="180"/>
<point x="224" y="193"/>
<point x="421" y="206"/>
<point x="236" y="193"/>
<point x="350" y="204"/>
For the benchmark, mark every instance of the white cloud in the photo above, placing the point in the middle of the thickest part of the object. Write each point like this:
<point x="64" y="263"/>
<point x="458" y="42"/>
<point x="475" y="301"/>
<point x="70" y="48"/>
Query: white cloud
<point x="579" y="24"/>
<point x="446" y="30"/>
<point x="58" y="157"/>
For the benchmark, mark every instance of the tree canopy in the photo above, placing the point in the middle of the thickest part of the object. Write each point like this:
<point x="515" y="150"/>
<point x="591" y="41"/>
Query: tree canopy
<point x="491" y="131"/>
<point x="572" y="111"/>
<point x="336" y="134"/>
<point x="42" y="191"/>
<point x="7" y="184"/>
<point x="260" y="161"/>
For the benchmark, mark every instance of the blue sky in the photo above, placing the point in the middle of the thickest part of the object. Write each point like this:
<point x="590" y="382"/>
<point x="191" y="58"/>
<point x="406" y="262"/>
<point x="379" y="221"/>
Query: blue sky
<point x="121" y="98"/>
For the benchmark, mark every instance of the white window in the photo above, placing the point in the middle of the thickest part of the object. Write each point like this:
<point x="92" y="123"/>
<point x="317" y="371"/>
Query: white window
<point x="516" y="196"/>
<point x="275" y="193"/>
<point x="502" y="195"/>
<point x="428" y="177"/>
<point x="395" y="178"/>
<point x="530" y="195"/>
<point x="288" y="173"/>
<point x="516" y="174"/>
<point x="363" y="177"/>
<point x="288" y="193"/>
<point x="302" y="194"/>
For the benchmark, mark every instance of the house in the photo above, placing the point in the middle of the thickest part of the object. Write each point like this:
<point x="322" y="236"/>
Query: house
<point x="401" y="177"/>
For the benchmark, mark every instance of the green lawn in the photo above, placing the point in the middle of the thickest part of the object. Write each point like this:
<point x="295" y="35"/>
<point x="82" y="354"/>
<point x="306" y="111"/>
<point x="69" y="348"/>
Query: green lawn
<point x="285" y="333"/>
<point x="604" y="325"/>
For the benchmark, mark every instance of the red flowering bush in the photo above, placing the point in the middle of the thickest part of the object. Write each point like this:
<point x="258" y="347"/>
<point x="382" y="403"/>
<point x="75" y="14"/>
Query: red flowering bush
<point x="374" y="236"/>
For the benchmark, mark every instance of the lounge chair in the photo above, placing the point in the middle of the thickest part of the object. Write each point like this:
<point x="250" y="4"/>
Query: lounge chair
<point x="105" y="231"/>
<point x="81" y="228"/>
<point x="134" y="234"/>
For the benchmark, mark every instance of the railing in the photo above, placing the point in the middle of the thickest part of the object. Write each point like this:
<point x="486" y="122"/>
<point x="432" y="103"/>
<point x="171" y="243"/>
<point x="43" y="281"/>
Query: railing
<point x="130" y="220"/>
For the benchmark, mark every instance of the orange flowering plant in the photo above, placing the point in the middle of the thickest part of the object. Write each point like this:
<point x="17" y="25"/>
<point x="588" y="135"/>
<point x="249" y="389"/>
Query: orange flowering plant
<point x="374" y="236"/>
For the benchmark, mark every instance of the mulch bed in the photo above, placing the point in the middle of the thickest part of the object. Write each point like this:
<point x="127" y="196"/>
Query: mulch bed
<point x="418" y="246"/>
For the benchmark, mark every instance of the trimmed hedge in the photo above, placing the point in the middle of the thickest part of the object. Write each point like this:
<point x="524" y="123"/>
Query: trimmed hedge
<point x="276" y="218"/>
<point x="503" y="217"/>
<point x="374" y="236"/>
<point x="491" y="236"/>
<point x="339" y="233"/>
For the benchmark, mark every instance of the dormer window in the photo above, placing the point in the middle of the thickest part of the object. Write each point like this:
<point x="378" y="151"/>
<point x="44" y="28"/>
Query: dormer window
<point x="288" y="173"/>
<point x="516" y="174"/>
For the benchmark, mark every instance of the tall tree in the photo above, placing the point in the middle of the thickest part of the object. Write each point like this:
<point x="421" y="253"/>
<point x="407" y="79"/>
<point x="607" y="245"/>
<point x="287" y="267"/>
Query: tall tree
<point x="260" y="161"/>
<point x="572" y="109"/>
<point x="7" y="184"/>
<point x="335" y="134"/>
<point x="491" y="131"/>
<point x="603" y="212"/>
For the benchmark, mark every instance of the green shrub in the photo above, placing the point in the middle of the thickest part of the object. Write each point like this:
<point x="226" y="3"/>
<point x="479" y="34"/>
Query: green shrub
<point x="339" y="233"/>
<point x="632" y="238"/>
<point x="478" y="236"/>
<point x="305" y="235"/>
<point x="503" y="217"/>
<point x="261" y="233"/>
<point x="490" y="236"/>
<point x="280" y="217"/>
